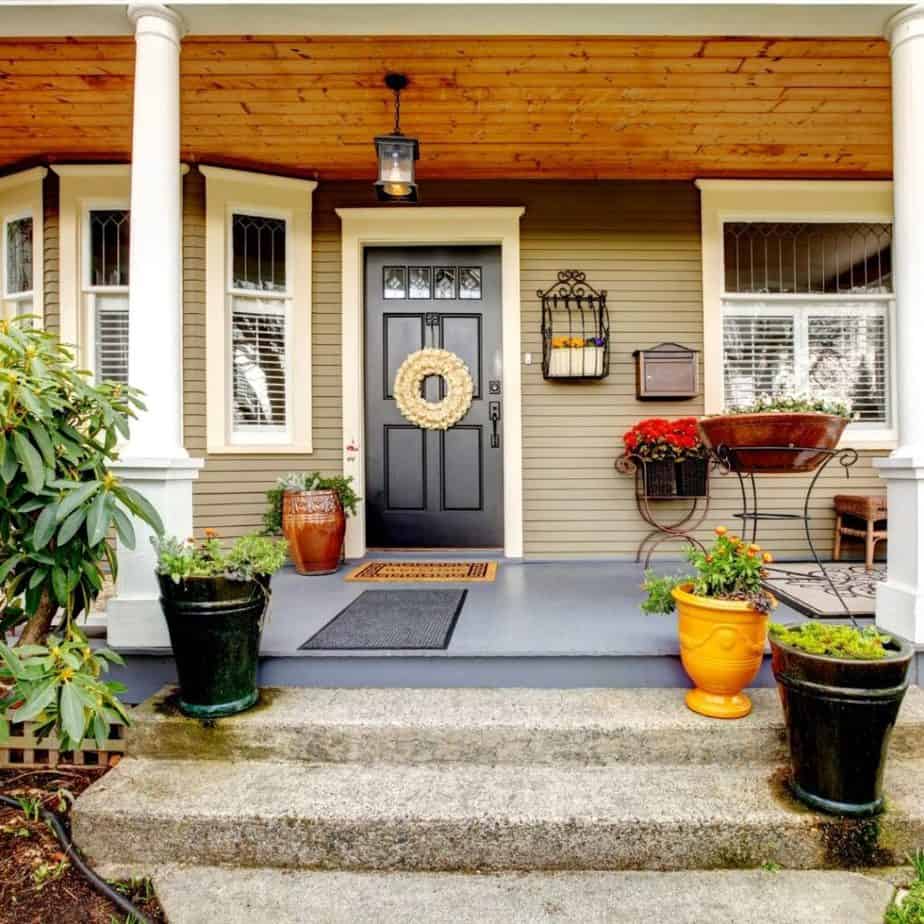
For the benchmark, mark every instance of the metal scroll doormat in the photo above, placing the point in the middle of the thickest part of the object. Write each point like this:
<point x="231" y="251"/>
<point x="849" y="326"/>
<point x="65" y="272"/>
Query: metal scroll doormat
<point x="394" y="619"/>
<point x="802" y="585"/>
<point x="438" y="572"/>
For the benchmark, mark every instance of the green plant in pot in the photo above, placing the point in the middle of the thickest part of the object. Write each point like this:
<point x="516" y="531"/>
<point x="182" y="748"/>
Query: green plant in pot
<point x="310" y="509"/>
<point x="59" y="504"/>
<point x="841" y="688"/>
<point x="214" y="600"/>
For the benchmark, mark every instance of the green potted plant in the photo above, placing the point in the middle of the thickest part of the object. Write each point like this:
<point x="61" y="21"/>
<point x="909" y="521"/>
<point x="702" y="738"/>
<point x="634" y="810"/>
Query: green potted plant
<point x="310" y="509"/>
<point x="841" y="689"/>
<point x="811" y="425"/>
<point x="214" y="601"/>
<point x="722" y="615"/>
<point x="58" y="505"/>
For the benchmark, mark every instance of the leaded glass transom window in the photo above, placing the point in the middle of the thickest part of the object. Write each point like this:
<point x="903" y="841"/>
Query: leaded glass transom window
<point x="18" y="256"/>
<point x="109" y="247"/>
<point x="804" y="258"/>
<point x="259" y="246"/>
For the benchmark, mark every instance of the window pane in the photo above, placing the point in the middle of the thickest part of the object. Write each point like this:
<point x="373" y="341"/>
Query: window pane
<point x="807" y="257"/>
<point x="258" y="340"/>
<point x="759" y="358"/>
<point x="19" y="256"/>
<point x="109" y="243"/>
<point x="847" y="361"/>
<point x="111" y="338"/>
<point x="259" y="253"/>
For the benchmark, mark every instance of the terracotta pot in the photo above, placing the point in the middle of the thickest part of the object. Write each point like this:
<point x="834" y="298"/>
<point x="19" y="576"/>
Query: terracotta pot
<point x="808" y="431"/>
<point x="721" y="648"/>
<point x="314" y="523"/>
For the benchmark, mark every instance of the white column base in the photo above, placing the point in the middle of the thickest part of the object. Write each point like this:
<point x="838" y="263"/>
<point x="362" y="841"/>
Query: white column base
<point x="134" y="618"/>
<point x="900" y="599"/>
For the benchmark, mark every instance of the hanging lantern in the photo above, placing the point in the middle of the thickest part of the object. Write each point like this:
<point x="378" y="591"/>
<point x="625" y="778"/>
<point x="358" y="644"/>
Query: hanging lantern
<point x="396" y="154"/>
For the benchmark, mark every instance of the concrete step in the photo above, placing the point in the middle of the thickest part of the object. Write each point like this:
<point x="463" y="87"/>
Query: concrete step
<point x="237" y="896"/>
<point x="459" y="817"/>
<point x="484" y="726"/>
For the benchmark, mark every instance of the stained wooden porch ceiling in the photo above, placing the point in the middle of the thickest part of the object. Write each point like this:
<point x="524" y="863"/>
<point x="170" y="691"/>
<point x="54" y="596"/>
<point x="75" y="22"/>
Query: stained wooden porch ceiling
<point x="482" y="107"/>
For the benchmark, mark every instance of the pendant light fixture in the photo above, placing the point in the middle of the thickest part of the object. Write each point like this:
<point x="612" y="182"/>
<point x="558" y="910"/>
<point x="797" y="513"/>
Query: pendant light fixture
<point x="396" y="154"/>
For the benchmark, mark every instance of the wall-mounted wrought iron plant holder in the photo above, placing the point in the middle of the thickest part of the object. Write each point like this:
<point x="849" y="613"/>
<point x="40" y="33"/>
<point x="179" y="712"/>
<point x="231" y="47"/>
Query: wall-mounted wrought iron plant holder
<point x="575" y="329"/>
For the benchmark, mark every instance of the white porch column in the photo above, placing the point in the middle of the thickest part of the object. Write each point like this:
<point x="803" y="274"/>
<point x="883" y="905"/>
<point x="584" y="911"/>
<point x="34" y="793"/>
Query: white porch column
<point x="154" y="462"/>
<point x="900" y="601"/>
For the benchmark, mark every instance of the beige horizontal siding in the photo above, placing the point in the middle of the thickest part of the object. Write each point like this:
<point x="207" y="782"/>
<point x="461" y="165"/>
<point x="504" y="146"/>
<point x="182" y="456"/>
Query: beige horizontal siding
<point x="50" y="258"/>
<point x="640" y="242"/>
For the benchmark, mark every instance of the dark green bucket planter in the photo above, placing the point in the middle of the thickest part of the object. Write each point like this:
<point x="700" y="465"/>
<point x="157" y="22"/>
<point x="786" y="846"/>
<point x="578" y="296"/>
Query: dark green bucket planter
<point x="215" y="626"/>
<point x="839" y="716"/>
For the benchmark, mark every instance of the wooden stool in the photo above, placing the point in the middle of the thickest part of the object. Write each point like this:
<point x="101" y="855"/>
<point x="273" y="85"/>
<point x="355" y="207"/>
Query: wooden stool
<point x="871" y="510"/>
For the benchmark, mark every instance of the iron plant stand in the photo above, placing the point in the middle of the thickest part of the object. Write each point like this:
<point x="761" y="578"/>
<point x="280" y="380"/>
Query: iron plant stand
<point x="661" y="532"/>
<point x="733" y="459"/>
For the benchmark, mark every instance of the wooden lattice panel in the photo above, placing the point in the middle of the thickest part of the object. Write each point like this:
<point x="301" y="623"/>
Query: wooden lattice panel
<point x="23" y="749"/>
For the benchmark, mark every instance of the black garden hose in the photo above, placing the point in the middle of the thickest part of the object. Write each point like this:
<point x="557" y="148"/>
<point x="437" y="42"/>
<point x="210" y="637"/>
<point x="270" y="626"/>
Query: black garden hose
<point x="72" y="854"/>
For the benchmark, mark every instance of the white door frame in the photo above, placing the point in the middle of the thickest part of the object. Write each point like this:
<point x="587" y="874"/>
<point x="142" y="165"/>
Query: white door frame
<point x="373" y="227"/>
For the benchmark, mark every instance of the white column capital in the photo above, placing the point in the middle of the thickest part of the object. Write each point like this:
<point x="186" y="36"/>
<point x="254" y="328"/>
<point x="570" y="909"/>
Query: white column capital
<point x="151" y="18"/>
<point x="904" y="25"/>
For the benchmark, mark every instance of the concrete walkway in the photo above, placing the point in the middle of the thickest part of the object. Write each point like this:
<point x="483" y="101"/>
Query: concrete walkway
<point x="243" y="896"/>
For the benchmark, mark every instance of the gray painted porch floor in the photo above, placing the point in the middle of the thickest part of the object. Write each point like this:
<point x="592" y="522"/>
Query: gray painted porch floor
<point x="546" y="609"/>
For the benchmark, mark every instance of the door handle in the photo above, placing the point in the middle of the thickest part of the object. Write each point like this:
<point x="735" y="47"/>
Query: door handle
<point x="494" y="413"/>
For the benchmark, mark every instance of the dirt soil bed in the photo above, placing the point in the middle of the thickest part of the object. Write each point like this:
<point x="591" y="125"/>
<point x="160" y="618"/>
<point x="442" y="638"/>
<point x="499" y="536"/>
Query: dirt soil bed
<point x="37" y="884"/>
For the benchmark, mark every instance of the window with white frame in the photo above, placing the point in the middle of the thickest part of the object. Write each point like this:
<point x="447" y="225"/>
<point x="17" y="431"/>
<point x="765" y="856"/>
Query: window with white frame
<point x="105" y="290"/>
<point x="258" y="312"/>
<point x="806" y="308"/>
<point x="259" y="305"/>
<point x="18" y="271"/>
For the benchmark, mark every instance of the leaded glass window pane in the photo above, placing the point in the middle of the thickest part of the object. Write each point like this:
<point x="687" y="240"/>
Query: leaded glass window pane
<point x="258" y="343"/>
<point x="259" y="253"/>
<point x="801" y="258"/>
<point x="19" y="256"/>
<point x="109" y="247"/>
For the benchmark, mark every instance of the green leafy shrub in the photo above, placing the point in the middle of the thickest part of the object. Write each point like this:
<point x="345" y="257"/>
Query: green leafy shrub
<point x="796" y="404"/>
<point x="833" y="640"/>
<point x="306" y="481"/>
<point x="731" y="570"/>
<point x="247" y="557"/>
<point x="58" y="503"/>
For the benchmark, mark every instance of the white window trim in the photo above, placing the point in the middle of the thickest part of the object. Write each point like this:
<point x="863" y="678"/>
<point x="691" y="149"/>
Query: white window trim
<point x="83" y="187"/>
<point x="236" y="191"/>
<point x="21" y="197"/>
<point x="786" y="200"/>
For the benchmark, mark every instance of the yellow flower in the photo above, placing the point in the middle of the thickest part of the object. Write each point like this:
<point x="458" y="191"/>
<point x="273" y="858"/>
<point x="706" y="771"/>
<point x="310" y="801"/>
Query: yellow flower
<point x="768" y="557"/>
<point x="721" y="530"/>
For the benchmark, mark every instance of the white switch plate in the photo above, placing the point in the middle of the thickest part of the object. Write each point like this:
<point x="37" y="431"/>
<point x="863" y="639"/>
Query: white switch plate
<point x="527" y="359"/>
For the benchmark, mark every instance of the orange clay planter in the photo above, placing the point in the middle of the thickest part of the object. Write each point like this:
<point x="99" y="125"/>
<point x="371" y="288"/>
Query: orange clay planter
<point x="721" y="646"/>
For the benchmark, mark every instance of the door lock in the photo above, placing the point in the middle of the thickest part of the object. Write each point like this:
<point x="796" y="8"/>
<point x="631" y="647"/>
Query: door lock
<point x="494" y="413"/>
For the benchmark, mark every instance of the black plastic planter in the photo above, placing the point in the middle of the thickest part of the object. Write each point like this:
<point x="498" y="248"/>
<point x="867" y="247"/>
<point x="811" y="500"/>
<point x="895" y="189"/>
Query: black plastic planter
<point x="659" y="477"/>
<point x="839" y="716"/>
<point x="692" y="478"/>
<point x="215" y="626"/>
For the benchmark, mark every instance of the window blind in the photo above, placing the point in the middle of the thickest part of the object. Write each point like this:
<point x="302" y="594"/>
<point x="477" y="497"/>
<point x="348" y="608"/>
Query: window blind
<point x="111" y="337"/>
<point x="259" y="360"/>
<point x="759" y="357"/>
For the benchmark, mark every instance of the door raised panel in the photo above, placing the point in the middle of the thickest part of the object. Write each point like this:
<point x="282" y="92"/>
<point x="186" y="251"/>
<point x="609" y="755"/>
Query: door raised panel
<point x="405" y="468"/>
<point x="402" y="334"/>
<point x="462" y="486"/>
<point x="461" y="334"/>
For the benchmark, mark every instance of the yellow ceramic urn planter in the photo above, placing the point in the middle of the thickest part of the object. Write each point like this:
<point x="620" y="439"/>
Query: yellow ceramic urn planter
<point x="721" y="648"/>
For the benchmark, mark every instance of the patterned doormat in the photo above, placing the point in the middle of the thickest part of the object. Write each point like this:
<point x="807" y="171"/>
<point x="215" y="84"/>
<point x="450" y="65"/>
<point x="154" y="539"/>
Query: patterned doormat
<point x="804" y="589"/>
<point x="414" y="572"/>
<point x="392" y="619"/>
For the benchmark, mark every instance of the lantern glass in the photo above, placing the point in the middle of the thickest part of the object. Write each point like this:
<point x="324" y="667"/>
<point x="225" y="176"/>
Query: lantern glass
<point x="396" y="156"/>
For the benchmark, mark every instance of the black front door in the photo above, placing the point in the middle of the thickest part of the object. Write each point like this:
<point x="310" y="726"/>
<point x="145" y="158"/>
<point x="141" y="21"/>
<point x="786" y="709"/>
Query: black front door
<point x="428" y="488"/>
